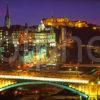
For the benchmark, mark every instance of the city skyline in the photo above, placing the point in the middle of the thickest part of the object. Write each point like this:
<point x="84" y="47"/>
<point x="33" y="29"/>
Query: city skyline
<point x="32" y="11"/>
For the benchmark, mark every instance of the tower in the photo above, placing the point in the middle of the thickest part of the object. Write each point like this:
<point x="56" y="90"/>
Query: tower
<point x="63" y="49"/>
<point x="7" y="18"/>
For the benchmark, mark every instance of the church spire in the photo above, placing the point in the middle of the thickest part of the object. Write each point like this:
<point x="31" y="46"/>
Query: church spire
<point x="7" y="12"/>
<point x="7" y="18"/>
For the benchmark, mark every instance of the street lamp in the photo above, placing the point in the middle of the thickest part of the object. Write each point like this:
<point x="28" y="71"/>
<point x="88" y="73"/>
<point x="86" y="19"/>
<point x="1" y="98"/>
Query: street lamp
<point x="76" y="69"/>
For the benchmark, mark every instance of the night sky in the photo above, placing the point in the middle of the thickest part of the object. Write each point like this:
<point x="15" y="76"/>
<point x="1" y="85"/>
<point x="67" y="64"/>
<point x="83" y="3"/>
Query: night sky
<point x="31" y="11"/>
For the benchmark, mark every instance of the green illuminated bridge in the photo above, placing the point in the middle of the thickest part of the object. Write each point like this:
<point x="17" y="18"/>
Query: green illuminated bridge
<point x="86" y="86"/>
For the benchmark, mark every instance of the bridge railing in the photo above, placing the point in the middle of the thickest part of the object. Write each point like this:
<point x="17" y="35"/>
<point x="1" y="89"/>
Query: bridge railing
<point x="49" y="75"/>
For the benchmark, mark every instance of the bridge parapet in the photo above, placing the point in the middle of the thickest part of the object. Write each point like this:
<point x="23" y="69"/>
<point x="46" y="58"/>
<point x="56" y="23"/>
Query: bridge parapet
<point x="50" y="75"/>
<point x="6" y="82"/>
<point x="92" y="90"/>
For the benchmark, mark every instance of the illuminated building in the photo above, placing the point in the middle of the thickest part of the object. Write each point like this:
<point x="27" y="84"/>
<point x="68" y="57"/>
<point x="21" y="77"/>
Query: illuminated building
<point x="1" y="34"/>
<point x="31" y="44"/>
<point x="42" y="44"/>
<point x="64" y="22"/>
<point x="6" y="39"/>
<point x="80" y="24"/>
<point x="1" y="48"/>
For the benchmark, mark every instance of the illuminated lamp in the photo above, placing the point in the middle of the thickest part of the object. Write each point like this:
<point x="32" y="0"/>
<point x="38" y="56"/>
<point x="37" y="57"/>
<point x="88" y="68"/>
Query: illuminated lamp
<point x="98" y="72"/>
<point x="94" y="28"/>
<point x="18" y="67"/>
<point x="79" y="25"/>
<point x="98" y="82"/>
<point x="49" y="23"/>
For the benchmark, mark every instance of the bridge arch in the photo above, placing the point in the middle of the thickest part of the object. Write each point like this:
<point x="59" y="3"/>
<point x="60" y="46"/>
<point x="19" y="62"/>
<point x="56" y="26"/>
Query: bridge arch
<point x="49" y="83"/>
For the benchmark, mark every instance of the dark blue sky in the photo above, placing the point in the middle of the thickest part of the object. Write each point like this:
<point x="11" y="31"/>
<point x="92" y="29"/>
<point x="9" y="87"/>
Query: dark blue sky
<point x="31" y="11"/>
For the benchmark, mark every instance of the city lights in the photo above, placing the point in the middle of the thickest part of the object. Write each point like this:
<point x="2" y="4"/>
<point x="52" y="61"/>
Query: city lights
<point x="58" y="53"/>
